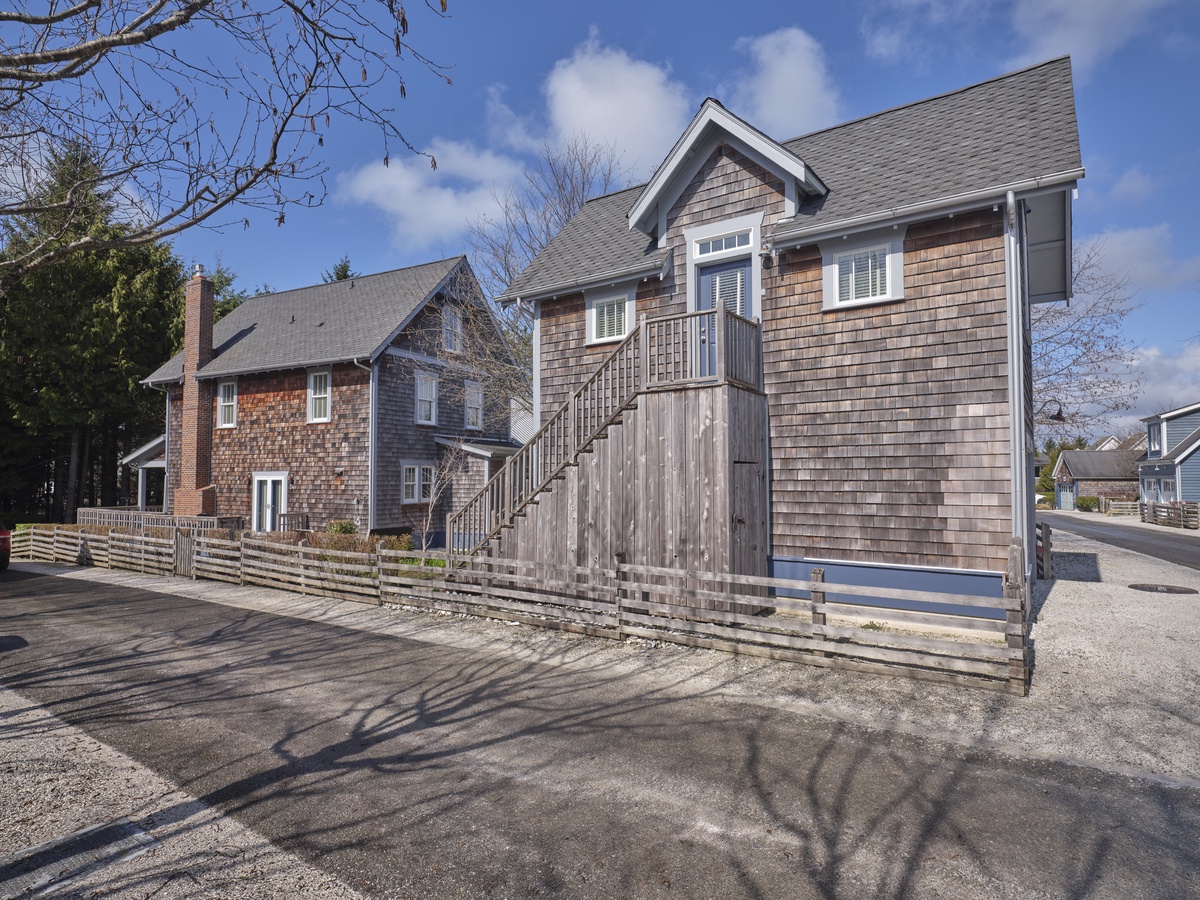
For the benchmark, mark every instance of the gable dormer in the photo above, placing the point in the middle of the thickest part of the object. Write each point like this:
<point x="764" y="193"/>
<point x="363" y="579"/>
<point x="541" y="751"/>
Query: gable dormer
<point x="712" y="126"/>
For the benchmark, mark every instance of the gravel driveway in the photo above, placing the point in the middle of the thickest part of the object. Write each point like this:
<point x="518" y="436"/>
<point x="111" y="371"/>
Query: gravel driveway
<point x="1115" y="681"/>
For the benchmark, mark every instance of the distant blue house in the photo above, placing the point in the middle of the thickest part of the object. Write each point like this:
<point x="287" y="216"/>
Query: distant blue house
<point x="1171" y="470"/>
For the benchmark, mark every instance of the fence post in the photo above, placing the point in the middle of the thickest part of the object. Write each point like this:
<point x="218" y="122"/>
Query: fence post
<point x="54" y="545"/>
<point x="242" y="558"/>
<point x="303" y="569"/>
<point x="1017" y="626"/>
<point x="818" y="601"/>
<point x="622" y="577"/>
<point x="379" y="549"/>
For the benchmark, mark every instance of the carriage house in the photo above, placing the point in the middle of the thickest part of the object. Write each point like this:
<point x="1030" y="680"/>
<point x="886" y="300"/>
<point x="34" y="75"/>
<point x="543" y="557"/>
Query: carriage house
<point x="345" y="401"/>
<point x="1171" y="470"/>
<point x="777" y="355"/>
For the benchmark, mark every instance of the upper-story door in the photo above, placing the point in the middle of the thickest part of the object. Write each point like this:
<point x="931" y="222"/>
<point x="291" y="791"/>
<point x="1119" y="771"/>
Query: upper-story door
<point x="726" y="284"/>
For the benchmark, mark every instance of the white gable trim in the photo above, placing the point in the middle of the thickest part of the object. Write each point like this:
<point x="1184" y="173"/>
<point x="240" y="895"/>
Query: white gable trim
<point x="713" y="125"/>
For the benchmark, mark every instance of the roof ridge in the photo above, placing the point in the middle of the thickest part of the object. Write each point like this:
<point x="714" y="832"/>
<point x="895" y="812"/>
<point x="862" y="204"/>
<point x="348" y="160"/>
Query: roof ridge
<point x="319" y="284"/>
<point x="924" y="100"/>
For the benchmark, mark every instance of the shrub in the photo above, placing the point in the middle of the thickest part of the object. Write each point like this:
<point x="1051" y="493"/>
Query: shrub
<point x="1087" y="504"/>
<point x="342" y="526"/>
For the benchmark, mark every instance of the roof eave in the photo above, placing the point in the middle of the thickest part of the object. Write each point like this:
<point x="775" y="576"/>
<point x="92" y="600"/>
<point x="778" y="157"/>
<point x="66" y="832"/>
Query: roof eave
<point x="574" y="286"/>
<point x="784" y="237"/>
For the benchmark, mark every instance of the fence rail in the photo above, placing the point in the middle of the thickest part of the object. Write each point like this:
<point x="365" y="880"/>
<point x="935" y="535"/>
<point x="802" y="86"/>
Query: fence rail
<point x="1173" y="515"/>
<point x="667" y="352"/>
<point x="140" y="521"/>
<point x="959" y="638"/>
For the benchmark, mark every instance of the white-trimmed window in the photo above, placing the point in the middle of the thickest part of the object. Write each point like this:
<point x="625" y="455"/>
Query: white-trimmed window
<point x="452" y="325"/>
<point x="864" y="269"/>
<point x="473" y="405"/>
<point x="427" y="398"/>
<point x="1155" y="441"/>
<point x="319" y="395"/>
<point x="610" y="314"/>
<point x="417" y="482"/>
<point x="1168" y="490"/>
<point x="709" y="246"/>
<point x="227" y="403"/>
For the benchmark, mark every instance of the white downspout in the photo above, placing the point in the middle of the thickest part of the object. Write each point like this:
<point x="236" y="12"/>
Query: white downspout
<point x="1017" y="439"/>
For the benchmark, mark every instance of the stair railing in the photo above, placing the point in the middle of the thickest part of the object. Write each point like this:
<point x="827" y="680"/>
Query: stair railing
<point x="664" y="352"/>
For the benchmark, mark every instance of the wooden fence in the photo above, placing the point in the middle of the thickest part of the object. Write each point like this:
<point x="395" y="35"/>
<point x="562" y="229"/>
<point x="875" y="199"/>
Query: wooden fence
<point x="958" y="638"/>
<point x="141" y="520"/>
<point x="1119" y="507"/>
<point x="1173" y="515"/>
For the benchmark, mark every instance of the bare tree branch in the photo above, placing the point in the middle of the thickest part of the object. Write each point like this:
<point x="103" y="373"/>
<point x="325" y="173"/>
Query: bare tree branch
<point x="1082" y="361"/>
<point x="189" y="109"/>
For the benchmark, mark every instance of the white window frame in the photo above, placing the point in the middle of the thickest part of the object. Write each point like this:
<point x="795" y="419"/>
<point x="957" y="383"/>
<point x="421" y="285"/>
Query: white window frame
<point x="223" y="404"/>
<point x="313" y="374"/>
<point x="472" y="403"/>
<point x="890" y="241"/>
<point x="753" y="250"/>
<point x="416" y="482"/>
<point x="452" y="329"/>
<point x="1154" y="443"/>
<point x="425" y="378"/>
<point x="594" y="299"/>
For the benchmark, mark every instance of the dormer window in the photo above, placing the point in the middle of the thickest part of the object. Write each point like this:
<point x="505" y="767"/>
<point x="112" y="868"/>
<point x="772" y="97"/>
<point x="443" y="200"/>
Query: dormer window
<point x="1155" y="439"/>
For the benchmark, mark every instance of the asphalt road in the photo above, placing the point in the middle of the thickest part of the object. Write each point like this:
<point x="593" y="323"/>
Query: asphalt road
<point x="409" y="769"/>
<point x="1169" y="544"/>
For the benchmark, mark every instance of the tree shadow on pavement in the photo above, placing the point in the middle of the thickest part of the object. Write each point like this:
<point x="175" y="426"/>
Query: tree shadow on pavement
<point x="406" y="767"/>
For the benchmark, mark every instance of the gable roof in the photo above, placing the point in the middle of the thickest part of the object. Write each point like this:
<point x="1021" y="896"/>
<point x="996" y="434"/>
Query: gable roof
<point x="1100" y="464"/>
<point x="1014" y="132"/>
<point x="319" y="325"/>
<point x="712" y="124"/>
<point x="1183" y="449"/>
<point x="1172" y="413"/>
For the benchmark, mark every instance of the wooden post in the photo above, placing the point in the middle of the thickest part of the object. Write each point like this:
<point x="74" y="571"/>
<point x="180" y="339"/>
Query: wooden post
<point x="303" y="569"/>
<point x="242" y="557"/>
<point x="719" y="339"/>
<point x="818" y="599"/>
<point x="644" y="340"/>
<point x="1016" y="633"/>
<point x="619" y="598"/>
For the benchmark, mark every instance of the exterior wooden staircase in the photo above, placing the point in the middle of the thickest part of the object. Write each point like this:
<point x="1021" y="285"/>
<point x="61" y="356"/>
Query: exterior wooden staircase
<point x="668" y="353"/>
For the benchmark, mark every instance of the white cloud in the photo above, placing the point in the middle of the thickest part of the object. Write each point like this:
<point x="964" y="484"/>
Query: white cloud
<point x="1134" y="186"/>
<point x="629" y="103"/>
<point x="1169" y="380"/>
<point x="1147" y="256"/>
<point x="431" y="207"/>
<point x="898" y="30"/>
<point x="1090" y="30"/>
<point x="788" y="90"/>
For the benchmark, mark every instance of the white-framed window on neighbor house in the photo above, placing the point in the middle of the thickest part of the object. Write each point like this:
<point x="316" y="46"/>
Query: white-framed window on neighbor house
<point x="863" y="270"/>
<point x="473" y="406"/>
<point x="1168" y="490"/>
<point x="610" y="314"/>
<point x="416" y="482"/>
<point x="427" y="399"/>
<point x="452" y="327"/>
<point x="227" y="403"/>
<point x="1155" y="441"/>
<point x="319" y="395"/>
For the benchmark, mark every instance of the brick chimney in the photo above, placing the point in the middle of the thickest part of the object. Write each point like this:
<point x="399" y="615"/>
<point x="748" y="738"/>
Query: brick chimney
<point x="196" y="495"/>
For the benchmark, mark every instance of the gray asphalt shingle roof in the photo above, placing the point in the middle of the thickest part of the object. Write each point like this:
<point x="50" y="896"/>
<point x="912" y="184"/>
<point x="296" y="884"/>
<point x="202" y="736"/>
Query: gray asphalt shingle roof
<point x="1102" y="464"/>
<point x="1011" y="129"/>
<point x="325" y="323"/>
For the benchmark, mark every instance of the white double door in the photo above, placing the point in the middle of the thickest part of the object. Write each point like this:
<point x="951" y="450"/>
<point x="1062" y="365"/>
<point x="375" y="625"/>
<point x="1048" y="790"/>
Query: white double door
<point x="270" y="499"/>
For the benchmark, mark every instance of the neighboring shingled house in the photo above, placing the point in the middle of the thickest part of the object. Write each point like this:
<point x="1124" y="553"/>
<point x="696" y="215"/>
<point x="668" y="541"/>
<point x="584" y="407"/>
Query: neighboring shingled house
<point x="1111" y="474"/>
<point x="1171" y="470"/>
<point x="339" y="401"/>
<point x="815" y="352"/>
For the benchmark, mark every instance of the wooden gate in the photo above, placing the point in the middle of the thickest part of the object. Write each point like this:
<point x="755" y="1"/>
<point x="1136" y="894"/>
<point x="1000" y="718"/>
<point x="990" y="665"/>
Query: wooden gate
<point x="185" y="552"/>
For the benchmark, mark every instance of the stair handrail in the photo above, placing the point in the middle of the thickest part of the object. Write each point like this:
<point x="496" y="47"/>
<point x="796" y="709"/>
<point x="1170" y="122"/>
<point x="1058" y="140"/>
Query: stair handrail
<point x="590" y="410"/>
<point x="552" y="448"/>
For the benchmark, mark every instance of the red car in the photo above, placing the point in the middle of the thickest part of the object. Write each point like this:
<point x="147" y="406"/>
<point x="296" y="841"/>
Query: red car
<point x="5" y="546"/>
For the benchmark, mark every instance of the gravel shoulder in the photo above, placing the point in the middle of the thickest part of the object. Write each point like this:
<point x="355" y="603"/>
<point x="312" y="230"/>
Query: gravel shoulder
<point x="1115" y="680"/>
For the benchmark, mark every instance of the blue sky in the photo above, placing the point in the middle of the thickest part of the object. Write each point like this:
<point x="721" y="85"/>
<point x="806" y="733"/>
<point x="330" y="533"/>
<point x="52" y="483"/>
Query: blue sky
<point x="635" y="73"/>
